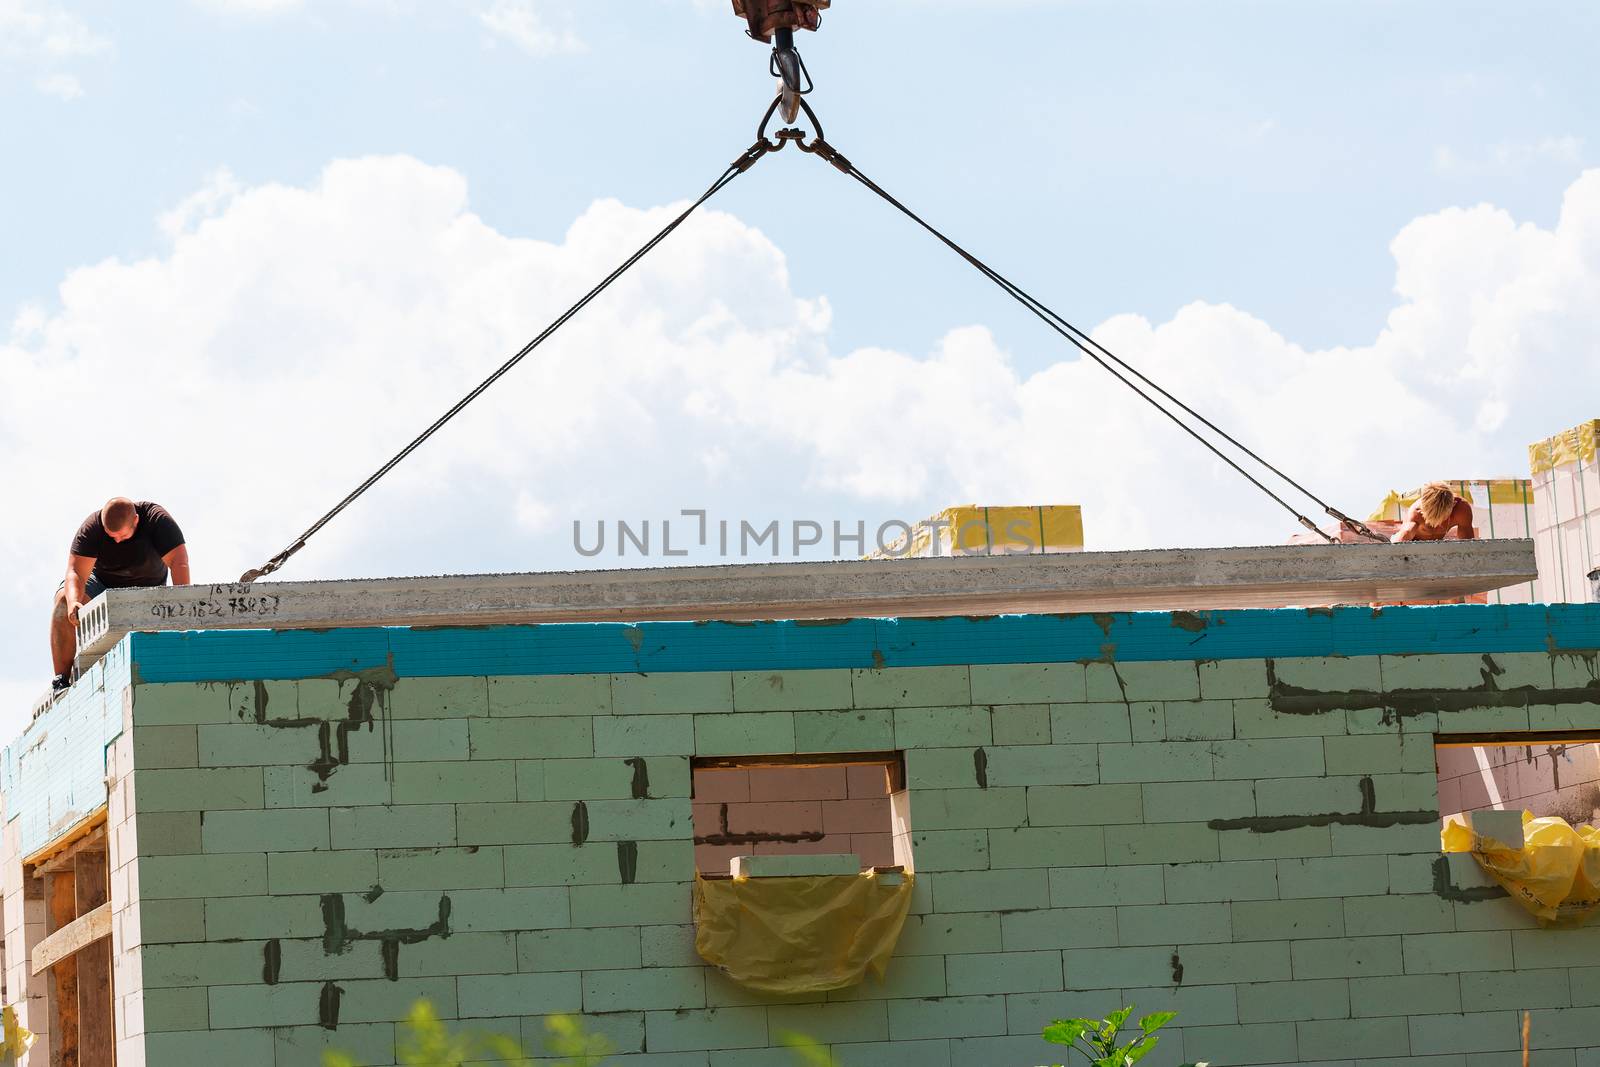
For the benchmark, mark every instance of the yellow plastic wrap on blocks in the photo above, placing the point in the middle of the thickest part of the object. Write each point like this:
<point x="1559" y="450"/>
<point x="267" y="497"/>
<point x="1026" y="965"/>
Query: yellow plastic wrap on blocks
<point x="16" y="1039"/>
<point x="1517" y="492"/>
<point x="1555" y="874"/>
<point x="1576" y="445"/>
<point x="802" y="934"/>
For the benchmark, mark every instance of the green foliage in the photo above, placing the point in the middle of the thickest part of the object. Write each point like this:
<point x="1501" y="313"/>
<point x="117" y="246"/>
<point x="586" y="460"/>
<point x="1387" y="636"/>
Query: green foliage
<point x="808" y="1051"/>
<point x="1096" y="1039"/>
<point x="427" y="1042"/>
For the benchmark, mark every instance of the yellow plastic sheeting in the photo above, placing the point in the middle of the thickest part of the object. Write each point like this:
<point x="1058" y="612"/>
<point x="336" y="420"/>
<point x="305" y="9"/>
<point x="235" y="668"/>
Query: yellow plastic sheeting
<point x="14" y="1039"/>
<point x="803" y="934"/>
<point x="1511" y="491"/>
<point x="1576" y="445"/>
<point x="1555" y="874"/>
<point x="974" y="530"/>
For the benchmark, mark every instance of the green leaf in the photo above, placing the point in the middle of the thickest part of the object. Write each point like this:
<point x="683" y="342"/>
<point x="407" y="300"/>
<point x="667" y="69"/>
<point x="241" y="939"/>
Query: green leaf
<point x="1067" y="1031"/>
<point x="1156" y="1020"/>
<point x="1139" y="1049"/>
<point x="1114" y="1021"/>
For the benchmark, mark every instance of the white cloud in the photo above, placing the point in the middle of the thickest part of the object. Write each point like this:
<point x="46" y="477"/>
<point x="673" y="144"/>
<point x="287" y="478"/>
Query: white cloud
<point x="527" y="25"/>
<point x="40" y="36"/>
<point x="289" y="339"/>
<point x="1510" y="157"/>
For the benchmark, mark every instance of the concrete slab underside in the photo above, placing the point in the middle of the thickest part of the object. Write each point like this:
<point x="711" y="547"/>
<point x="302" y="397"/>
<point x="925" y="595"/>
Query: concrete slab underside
<point x="1166" y="580"/>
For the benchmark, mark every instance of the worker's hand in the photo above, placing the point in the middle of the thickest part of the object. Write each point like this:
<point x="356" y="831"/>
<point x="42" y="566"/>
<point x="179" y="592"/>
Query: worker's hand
<point x="72" y="613"/>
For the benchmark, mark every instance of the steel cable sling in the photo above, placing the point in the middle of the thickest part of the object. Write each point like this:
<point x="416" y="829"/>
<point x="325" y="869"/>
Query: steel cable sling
<point x="1087" y="345"/>
<point x="745" y="161"/>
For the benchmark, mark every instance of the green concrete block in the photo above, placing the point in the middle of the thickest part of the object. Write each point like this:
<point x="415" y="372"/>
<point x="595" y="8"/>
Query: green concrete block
<point x="709" y="1028"/>
<point x="942" y="727"/>
<point x="968" y="809"/>
<point x="1461" y="671"/>
<point x="374" y="1001"/>
<point x="689" y="692"/>
<point x="1224" y="964"/>
<point x="574" y="695"/>
<point x="1079" y="887"/>
<point x="171" y="877"/>
<point x="1310" y="796"/>
<point x="1285" y="920"/>
<point x="895" y="1054"/>
<point x="1168" y="843"/>
<point x="1407" y="792"/>
<point x="1283" y="844"/>
<point x="1047" y="846"/>
<point x="165" y="747"/>
<point x="1415" y="874"/>
<point x="1021" y="724"/>
<point x="858" y="730"/>
<point x="278" y="830"/>
<point x="1030" y="1013"/>
<point x="481" y="953"/>
<point x="512" y="824"/>
<point x="1333" y="876"/>
<point x="1368" y="840"/>
<point x="811" y="865"/>
<point x="1161" y="680"/>
<point x="744" y="734"/>
<point x="913" y="976"/>
<point x="671" y="946"/>
<point x="250" y="745"/>
<point x="171" y="922"/>
<point x="950" y="850"/>
<point x="1270" y="757"/>
<point x="439" y="698"/>
<point x="1159" y="761"/>
<point x="240" y="1047"/>
<point x="399" y="826"/>
<point x="1256" y="719"/>
<point x="813" y="690"/>
<point x="864" y="1020"/>
<point x="1085" y="805"/>
<point x="1351" y="957"/>
<point x="322" y="872"/>
<point x="1328" y="675"/>
<point x="1341" y="1040"/>
<point x="1570" y="1028"/>
<point x="945" y="768"/>
<point x="938" y="935"/>
<point x="1364" y="754"/>
<point x="169" y="833"/>
<point x="658" y="988"/>
<point x="469" y="867"/>
<point x="1488" y="720"/>
<point x="262" y="918"/>
<point x="639" y="820"/>
<point x="1256" y="1043"/>
<point x="198" y="790"/>
<point x="1102" y="968"/>
<point x="1574" y="670"/>
<point x="520" y="908"/>
<point x="409" y="909"/>
<point x="1188" y="801"/>
<point x="531" y="738"/>
<point x="1028" y="683"/>
<point x="366" y="1043"/>
<point x="183" y="704"/>
<point x="643" y="735"/>
<point x="1421" y="914"/>
<point x="1454" y="952"/>
<point x="910" y="687"/>
<point x="1197" y="883"/>
<point x="623" y="1029"/>
<point x="989" y="890"/>
<point x="613" y="778"/>
<point x="1233" y="679"/>
<point x="912" y="1020"/>
<point x="412" y="741"/>
<point x="347" y="786"/>
<point x="1083" y="724"/>
<point x="1216" y="1004"/>
<point x="608" y="948"/>
<point x="174" y="1009"/>
<point x="1198" y="720"/>
<point x="1415" y="994"/>
<point x="307" y="961"/>
<point x="1549" y="948"/>
<point x="561" y="864"/>
<point x="1564" y="717"/>
<point x="1479" y="1032"/>
<point x="1057" y="928"/>
<point x="665" y="861"/>
<point x="1585" y="987"/>
<point x="632" y="905"/>
<point x="1030" y="765"/>
<point x="507" y="995"/>
<point x="244" y="1006"/>
<point x="1173" y="924"/>
<point x="206" y="964"/>
<point x="1147" y="721"/>
<point x="1280" y="1002"/>
<point x="1003" y="972"/>
<point x="530" y="780"/>
<point x="1384" y="721"/>
<point x="1516" y="990"/>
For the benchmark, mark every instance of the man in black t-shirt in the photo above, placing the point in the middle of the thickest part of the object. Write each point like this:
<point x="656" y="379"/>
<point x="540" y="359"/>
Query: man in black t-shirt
<point x="126" y="543"/>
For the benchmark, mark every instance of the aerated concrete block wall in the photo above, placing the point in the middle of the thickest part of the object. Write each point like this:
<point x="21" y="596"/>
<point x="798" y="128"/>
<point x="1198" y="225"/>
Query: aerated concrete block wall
<point x="1232" y="816"/>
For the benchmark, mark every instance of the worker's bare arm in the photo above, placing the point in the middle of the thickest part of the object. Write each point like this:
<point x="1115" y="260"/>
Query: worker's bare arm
<point x="1409" y="529"/>
<point x="78" y="570"/>
<point x="177" y="562"/>
<point x="1461" y="518"/>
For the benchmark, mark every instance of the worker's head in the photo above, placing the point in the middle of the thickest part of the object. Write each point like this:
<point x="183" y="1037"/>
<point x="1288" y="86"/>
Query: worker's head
<point x="120" y="518"/>
<point x="1437" y="501"/>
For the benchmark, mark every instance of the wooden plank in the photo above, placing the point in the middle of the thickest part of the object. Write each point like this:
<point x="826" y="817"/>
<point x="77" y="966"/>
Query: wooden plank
<point x="67" y="940"/>
<point x="61" y="909"/>
<point x="96" y="1038"/>
<point x="91" y="826"/>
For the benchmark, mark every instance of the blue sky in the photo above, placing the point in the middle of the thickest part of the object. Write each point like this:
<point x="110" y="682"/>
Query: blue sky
<point x="1231" y="193"/>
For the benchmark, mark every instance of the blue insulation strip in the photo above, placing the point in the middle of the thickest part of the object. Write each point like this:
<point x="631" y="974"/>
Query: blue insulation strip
<point x="615" y="648"/>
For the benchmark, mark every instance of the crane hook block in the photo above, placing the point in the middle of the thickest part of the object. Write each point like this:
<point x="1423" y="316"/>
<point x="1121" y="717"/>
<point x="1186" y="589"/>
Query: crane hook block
<point x="766" y="17"/>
